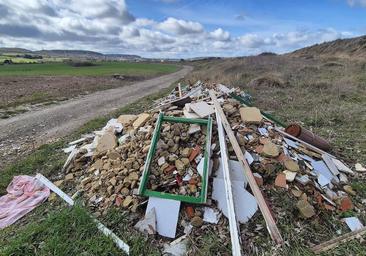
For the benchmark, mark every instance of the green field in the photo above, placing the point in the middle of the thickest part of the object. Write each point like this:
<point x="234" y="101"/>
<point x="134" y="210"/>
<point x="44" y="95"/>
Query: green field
<point x="102" y="68"/>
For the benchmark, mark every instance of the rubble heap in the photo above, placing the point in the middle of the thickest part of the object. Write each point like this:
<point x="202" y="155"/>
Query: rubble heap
<point x="108" y="165"/>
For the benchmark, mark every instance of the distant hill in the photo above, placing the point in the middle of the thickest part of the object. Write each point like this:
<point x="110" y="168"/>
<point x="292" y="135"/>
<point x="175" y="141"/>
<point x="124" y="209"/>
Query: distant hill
<point x="352" y="47"/>
<point x="71" y="54"/>
<point x="13" y="50"/>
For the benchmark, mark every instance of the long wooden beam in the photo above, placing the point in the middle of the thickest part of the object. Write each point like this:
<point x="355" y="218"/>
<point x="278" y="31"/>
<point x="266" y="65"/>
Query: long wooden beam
<point x="233" y="224"/>
<point x="338" y="240"/>
<point x="270" y="222"/>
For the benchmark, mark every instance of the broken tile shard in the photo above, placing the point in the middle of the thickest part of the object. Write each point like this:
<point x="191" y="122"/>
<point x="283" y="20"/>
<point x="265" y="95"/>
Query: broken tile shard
<point x="202" y="109"/>
<point x="353" y="223"/>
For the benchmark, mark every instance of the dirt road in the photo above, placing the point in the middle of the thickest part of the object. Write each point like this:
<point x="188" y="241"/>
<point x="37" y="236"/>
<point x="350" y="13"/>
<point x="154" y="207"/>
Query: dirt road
<point x="18" y="135"/>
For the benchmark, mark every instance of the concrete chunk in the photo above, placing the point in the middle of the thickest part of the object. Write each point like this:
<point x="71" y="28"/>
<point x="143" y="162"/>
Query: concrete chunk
<point x="141" y="120"/>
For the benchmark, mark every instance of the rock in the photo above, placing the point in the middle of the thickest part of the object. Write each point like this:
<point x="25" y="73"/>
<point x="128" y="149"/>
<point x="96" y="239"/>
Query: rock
<point x="110" y="190"/>
<point x="193" y="128"/>
<point x="185" y="161"/>
<point x="290" y="176"/>
<point x="86" y="181"/>
<point x="192" y="188"/>
<point x="127" y="202"/>
<point x="52" y="197"/>
<point x="270" y="150"/>
<point x="349" y="190"/>
<point x="291" y="165"/>
<point x="161" y="161"/>
<point x="258" y="178"/>
<point x="281" y="180"/>
<point x="140" y="121"/>
<point x="148" y="224"/>
<point x="360" y="168"/>
<point x="58" y="183"/>
<point x="113" y="181"/>
<point x="179" y="165"/>
<point x="186" y="152"/>
<point x="69" y="177"/>
<point x="108" y="141"/>
<point x="126" y="119"/>
<point x="125" y="191"/>
<point x="241" y="139"/>
<point x="250" y="115"/>
<point x="146" y="149"/>
<point x="133" y="176"/>
<point x="182" y="190"/>
<point x="306" y="209"/>
<point x="197" y="221"/>
<point x="98" y="164"/>
<point x="113" y="155"/>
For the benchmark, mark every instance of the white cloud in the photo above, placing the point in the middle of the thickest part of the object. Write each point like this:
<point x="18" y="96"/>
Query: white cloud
<point x="108" y="26"/>
<point x="180" y="27"/>
<point x="220" y="34"/>
<point x="357" y="2"/>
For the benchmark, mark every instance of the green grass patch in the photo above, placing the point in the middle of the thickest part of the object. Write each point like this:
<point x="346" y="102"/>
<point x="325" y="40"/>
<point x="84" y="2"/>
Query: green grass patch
<point x="102" y="68"/>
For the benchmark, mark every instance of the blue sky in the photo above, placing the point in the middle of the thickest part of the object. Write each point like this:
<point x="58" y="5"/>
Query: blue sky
<point x="178" y="28"/>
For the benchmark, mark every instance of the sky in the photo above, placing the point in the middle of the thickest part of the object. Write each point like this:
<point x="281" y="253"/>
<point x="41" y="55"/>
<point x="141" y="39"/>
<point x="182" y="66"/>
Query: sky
<point x="178" y="28"/>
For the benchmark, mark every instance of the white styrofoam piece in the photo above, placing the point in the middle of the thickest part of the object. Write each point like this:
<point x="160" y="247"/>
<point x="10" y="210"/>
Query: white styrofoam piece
<point x="167" y="212"/>
<point x="353" y="223"/>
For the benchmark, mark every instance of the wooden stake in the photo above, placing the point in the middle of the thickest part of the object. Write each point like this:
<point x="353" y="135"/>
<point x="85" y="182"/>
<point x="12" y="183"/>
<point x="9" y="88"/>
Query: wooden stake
<point x="336" y="241"/>
<point x="233" y="224"/>
<point x="271" y="224"/>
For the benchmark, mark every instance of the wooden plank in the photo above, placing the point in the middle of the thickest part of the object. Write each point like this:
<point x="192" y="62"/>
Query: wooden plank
<point x="338" y="240"/>
<point x="233" y="224"/>
<point x="107" y="232"/>
<point x="271" y="224"/>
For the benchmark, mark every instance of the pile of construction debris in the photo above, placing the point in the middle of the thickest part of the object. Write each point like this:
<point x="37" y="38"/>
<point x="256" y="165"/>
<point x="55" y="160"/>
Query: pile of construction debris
<point x="178" y="156"/>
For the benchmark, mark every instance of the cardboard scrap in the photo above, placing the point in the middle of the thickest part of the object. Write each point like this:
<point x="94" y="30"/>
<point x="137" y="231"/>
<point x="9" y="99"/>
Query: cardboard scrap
<point x="167" y="212"/>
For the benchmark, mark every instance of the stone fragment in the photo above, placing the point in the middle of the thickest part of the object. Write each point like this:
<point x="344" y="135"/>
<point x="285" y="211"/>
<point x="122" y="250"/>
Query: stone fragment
<point x="281" y="180"/>
<point x="58" y="183"/>
<point x="306" y="209"/>
<point x="127" y="202"/>
<point x="290" y="176"/>
<point x="86" y="181"/>
<point x="360" y="168"/>
<point x="186" y="152"/>
<point x="126" y="119"/>
<point x="113" y="155"/>
<point x="113" y="181"/>
<point x="185" y="161"/>
<point x="133" y="176"/>
<point x="349" y="190"/>
<point x="52" y="197"/>
<point x="291" y="165"/>
<point x="140" y="121"/>
<point x="125" y="191"/>
<point x="69" y="177"/>
<point x="258" y="178"/>
<point x="108" y="141"/>
<point x="193" y="128"/>
<point x="270" y="150"/>
<point x="161" y="161"/>
<point x="241" y="139"/>
<point x="197" y="221"/>
<point x="250" y="115"/>
<point x="179" y="165"/>
<point x="146" y="149"/>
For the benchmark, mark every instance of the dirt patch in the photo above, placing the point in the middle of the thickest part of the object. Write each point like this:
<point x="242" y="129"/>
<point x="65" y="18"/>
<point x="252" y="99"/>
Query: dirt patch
<point x="268" y="81"/>
<point x="22" y="90"/>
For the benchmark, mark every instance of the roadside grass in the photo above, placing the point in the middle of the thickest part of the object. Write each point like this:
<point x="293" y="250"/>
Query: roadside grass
<point x="102" y="68"/>
<point x="59" y="230"/>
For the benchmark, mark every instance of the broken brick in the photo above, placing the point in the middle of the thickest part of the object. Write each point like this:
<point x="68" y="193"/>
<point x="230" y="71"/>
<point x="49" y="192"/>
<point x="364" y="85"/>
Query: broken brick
<point x="346" y="204"/>
<point x="281" y="180"/>
<point x="195" y="152"/>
